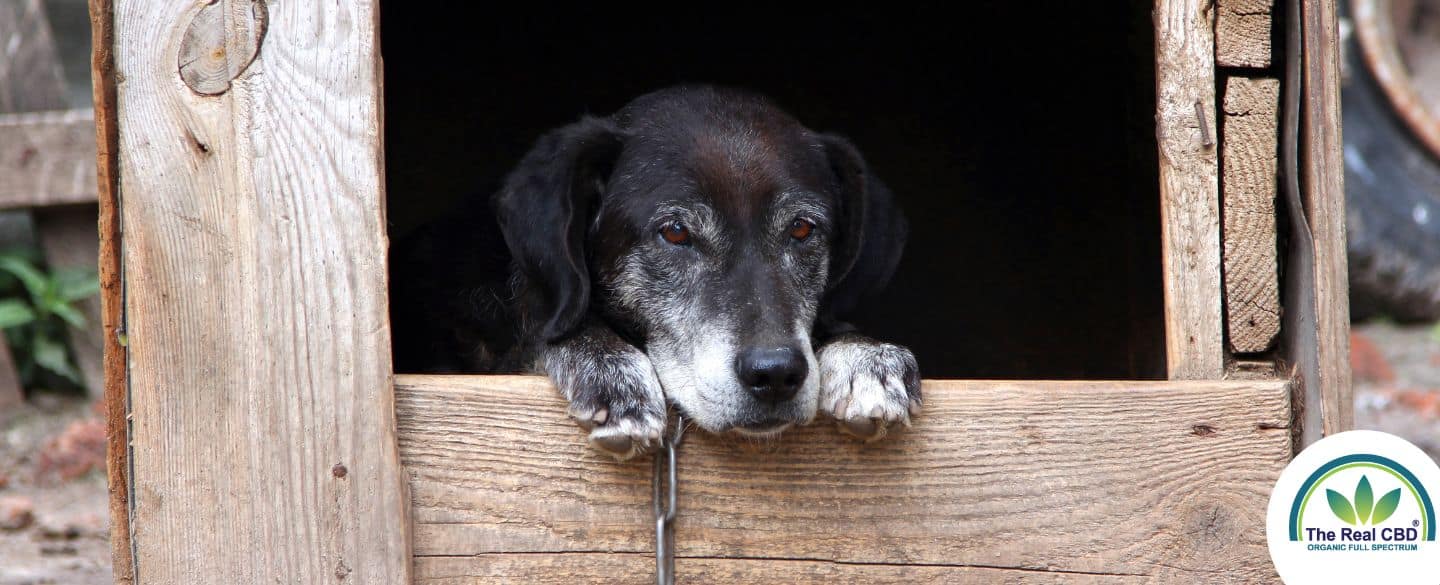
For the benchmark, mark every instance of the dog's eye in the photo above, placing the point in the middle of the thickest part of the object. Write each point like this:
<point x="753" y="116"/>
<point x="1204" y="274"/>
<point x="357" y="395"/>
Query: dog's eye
<point x="800" y="229"/>
<point x="676" y="233"/>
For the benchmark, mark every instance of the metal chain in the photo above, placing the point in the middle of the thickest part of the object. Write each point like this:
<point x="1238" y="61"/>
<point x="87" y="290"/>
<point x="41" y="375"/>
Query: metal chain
<point x="664" y="505"/>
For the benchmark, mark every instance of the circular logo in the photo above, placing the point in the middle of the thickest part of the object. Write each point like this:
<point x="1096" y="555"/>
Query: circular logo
<point x="1356" y="507"/>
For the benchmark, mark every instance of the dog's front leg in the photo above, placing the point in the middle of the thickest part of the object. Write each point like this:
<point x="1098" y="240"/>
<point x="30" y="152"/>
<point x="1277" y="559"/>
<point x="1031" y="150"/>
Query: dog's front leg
<point x="612" y="389"/>
<point x="868" y="385"/>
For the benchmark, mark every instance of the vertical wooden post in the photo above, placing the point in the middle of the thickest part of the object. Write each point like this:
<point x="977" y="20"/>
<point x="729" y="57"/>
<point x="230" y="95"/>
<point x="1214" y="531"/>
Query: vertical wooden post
<point x="1326" y="386"/>
<point x="112" y="290"/>
<point x="252" y="250"/>
<point x="1189" y="196"/>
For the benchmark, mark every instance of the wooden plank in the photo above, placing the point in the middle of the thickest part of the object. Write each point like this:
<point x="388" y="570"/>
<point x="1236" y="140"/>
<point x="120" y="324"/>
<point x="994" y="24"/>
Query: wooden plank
<point x="1189" y="196"/>
<point x="253" y="256"/>
<point x="30" y="76"/>
<point x="1242" y="33"/>
<point x="47" y="158"/>
<point x="1252" y="283"/>
<point x="634" y="568"/>
<point x="1325" y="373"/>
<point x="69" y="239"/>
<point x="1157" y="479"/>
<point x="11" y="392"/>
<point x="112" y="290"/>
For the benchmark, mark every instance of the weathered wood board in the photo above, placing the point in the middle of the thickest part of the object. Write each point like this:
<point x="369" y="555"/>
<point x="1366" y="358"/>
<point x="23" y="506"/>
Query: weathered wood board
<point x="69" y="238"/>
<point x="1319" y="320"/>
<point x="30" y="78"/>
<point x="253" y="254"/>
<point x="116" y="396"/>
<point x="47" y="158"/>
<point x="1252" y="281"/>
<point x="1019" y="481"/>
<point x="1189" y="192"/>
<point x="1242" y="33"/>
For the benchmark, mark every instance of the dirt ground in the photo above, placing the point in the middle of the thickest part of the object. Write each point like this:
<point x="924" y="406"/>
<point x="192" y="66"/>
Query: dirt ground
<point x="53" y="505"/>
<point x="54" y="526"/>
<point x="1397" y="382"/>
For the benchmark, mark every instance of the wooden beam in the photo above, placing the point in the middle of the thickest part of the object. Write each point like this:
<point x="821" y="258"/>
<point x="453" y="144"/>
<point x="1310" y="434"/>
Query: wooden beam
<point x="12" y="393"/>
<point x="637" y="569"/>
<point x="116" y="356"/>
<point x="69" y="238"/>
<point x="1189" y="192"/>
<point x="1252" y="283"/>
<point x="1161" y="480"/>
<point x="47" y="159"/>
<point x="253" y="255"/>
<point x="1242" y="33"/>
<point x="1318" y="320"/>
<point x="30" y="77"/>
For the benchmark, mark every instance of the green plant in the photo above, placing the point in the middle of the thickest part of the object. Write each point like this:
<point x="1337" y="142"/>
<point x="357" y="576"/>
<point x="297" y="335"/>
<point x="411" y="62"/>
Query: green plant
<point x="35" y="307"/>
<point x="1364" y="508"/>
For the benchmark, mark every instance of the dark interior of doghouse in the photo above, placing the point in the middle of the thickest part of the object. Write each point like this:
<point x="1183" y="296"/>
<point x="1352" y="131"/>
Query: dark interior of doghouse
<point x="1018" y="136"/>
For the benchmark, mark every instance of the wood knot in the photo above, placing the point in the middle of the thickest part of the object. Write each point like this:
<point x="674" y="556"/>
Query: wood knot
<point x="339" y="471"/>
<point x="221" y="41"/>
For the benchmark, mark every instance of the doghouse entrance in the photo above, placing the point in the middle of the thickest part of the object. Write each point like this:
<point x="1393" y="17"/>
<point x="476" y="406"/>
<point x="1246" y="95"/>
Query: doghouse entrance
<point x="1019" y="139"/>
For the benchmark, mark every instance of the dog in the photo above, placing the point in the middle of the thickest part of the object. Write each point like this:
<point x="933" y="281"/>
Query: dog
<point x="698" y="247"/>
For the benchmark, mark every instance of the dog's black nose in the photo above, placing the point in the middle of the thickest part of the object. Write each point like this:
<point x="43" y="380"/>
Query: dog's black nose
<point x="772" y="374"/>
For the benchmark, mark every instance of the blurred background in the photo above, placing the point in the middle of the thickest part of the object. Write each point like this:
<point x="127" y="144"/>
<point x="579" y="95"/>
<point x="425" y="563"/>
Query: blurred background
<point x="53" y="526"/>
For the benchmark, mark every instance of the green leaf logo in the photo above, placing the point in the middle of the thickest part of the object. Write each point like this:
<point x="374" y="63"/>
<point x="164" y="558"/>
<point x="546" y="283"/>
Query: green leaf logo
<point x="1340" y="506"/>
<point x="1386" y="506"/>
<point x="1365" y="509"/>
<point x="1364" y="500"/>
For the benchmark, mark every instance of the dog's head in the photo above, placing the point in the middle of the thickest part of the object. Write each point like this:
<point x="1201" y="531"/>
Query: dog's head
<point x="712" y="228"/>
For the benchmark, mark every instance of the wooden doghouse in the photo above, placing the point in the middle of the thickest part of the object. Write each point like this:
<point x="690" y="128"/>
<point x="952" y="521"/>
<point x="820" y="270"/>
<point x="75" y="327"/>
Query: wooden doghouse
<point x="259" y="434"/>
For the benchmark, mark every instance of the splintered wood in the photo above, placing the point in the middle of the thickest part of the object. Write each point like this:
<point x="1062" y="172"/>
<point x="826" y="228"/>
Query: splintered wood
<point x="1252" y="286"/>
<point x="1242" y="33"/>
<point x="997" y="482"/>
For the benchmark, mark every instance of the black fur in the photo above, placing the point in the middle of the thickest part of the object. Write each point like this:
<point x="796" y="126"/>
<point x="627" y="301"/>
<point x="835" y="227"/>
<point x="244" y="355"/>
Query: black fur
<point x="480" y="290"/>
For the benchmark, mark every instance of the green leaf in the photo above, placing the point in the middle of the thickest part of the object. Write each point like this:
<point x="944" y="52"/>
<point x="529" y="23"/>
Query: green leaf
<point x="1386" y="506"/>
<point x="70" y="314"/>
<point x="73" y="285"/>
<point x="35" y="282"/>
<point x="1364" y="500"/>
<point x="1341" y="507"/>
<point x="51" y="355"/>
<point x="14" y="312"/>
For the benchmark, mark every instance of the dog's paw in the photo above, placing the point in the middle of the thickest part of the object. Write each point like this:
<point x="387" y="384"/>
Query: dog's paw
<point x="868" y="386"/>
<point x="615" y="397"/>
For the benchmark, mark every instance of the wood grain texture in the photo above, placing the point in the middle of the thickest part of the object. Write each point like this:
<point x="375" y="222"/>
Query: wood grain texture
<point x="1252" y="281"/>
<point x="1160" y="480"/>
<point x="30" y="75"/>
<point x="1328" y="394"/>
<point x="69" y="238"/>
<point x="112" y="297"/>
<point x="1189" y="193"/>
<point x="47" y="158"/>
<point x="637" y="569"/>
<point x="255" y="310"/>
<point x="1242" y="32"/>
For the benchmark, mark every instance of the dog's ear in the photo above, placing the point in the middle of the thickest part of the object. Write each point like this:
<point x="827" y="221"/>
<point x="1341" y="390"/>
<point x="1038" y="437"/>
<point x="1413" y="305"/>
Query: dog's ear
<point x="543" y="210"/>
<point x="871" y="230"/>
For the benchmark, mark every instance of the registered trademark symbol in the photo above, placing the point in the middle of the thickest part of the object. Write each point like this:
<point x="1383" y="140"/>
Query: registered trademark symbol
<point x="1414" y="522"/>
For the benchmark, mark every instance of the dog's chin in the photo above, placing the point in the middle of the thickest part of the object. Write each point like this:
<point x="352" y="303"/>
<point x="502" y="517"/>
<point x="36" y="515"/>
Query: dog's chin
<point x="763" y="430"/>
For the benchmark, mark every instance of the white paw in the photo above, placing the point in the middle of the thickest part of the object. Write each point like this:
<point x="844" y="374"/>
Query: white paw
<point x="867" y="386"/>
<point x="614" y="396"/>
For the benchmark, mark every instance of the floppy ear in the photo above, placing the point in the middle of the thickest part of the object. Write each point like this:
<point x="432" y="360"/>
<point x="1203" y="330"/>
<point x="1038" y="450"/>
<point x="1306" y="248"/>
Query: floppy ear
<point x="871" y="230"/>
<point x="543" y="210"/>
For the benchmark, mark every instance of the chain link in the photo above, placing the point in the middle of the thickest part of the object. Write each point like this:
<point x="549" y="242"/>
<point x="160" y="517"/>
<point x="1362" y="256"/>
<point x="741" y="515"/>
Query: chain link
<point x="664" y="505"/>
